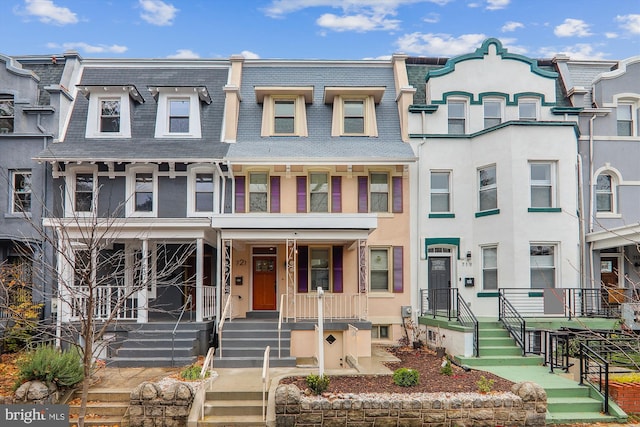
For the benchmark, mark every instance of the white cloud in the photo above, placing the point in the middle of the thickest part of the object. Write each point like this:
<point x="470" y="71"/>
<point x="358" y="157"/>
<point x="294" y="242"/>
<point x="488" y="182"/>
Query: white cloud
<point x="577" y="51"/>
<point x="474" y="5"/>
<point x="157" y="12"/>
<point x="432" y="18"/>
<point x="49" y="13"/>
<point x="511" y="26"/>
<point x="88" y="48"/>
<point x="184" y="54"/>
<point x="497" y="4"/>
<point x="359" y="23"/>
<point x="278" y="8"/>
<point x="249" y="55"/>
<point x="439" y="44"/>
<point x="611" y="35"/>
<point x="630" y="23"/>
<point x="572" y="28"/>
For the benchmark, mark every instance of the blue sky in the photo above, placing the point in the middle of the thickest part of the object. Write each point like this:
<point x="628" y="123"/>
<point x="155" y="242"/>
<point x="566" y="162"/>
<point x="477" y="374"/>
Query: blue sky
<point x="323" y="29"/>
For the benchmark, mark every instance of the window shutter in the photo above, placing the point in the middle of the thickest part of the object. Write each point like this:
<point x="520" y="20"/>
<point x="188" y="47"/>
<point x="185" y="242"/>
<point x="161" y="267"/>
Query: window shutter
<point x="337" y="269"/>
<point x="240" y="197"/>
<point x="398" y="274"/>
<point x="397" y="194"/>
<point x="303" y="269"/>
<point x="275" y="194"/>
<point x="363" y="194"/>
<point x="336" y="194"/>
<point x="301" y="192"/>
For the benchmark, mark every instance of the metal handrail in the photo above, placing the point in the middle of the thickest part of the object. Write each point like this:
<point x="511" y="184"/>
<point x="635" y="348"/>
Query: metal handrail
<point x="512" y="321"/>
<point x="227" y="307"/>
<point x="602" y="367"/>
<point x="207" y="365"/>
<point x="467" y="318"/>
<point x="282" y="298"/>
<point x="265" y="380"/>
<point x="173" y="333"/>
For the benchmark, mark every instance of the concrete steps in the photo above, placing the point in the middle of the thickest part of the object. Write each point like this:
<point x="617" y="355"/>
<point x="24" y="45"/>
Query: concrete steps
<point x="105" y="408"/>
<point x="232" y="408"/>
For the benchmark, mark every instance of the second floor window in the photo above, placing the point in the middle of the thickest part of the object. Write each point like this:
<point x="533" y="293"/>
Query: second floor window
<point x="144" y="192"/>
<point x="457" y="115"/>
<point x="21" y="191"/>
<point x="528" y="109"/>
<point x="542" y="183"/>
<point x="488" y="189"/>
<point x="110" y="115"/>
<point x="604" y="193"/>
<point x="84" y="192"/>
<point x="624" y="116"/>
<point x="179" y="115"/>
<point x="440" y="193"/>
<point x="204" y="192"/>
<point x="258" y="192"/>
<point x="379" y="192"/>
<point x="492" y="113"/>
<point x="318" y="192"/>
<point x="7" y="114"/>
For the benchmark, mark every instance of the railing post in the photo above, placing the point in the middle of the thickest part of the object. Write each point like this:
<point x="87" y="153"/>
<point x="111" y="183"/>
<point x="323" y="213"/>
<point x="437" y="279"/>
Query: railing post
<point x="582" y="363"/>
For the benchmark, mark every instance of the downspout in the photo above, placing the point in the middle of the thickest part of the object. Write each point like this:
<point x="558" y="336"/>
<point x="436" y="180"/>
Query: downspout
<point x="420" y="199"/>
<point x="591" y="195"/>
<point x="581" y="222"/>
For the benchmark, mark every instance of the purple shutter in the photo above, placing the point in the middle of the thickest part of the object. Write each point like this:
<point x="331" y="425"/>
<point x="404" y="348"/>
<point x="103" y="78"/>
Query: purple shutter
<point x="303" y="269"/>
<point x="301" y="194"/>
<point x="363" y="194"/>
<point x="398" y="276"/>
<point x="240" y="198"/>
<point x="337" y="269"/>
<point x="275" y="194"/>
<point x="336" y="194"/>
<point x="397" y="194"/>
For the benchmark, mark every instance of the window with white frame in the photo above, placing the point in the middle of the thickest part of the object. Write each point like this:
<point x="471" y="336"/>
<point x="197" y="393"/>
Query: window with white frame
<point x="490" y="267"/>
<point x="20" y="191"/>
<point x="179" y="110"/>
<point x="353" y="116"/>
<point x="178" y="114"/>
<point x="542" y="261"/>
<point x="492" y="112"/>
<point x="284" y="109"/>
<point x="354" y="112"/>
<point x="488" y="189"/>
<point x="204" y="190"/>
<point x="82" y="267"/>
<point x="109" y="110"/>
<point x="318" y="192"/>
<point x="440" y="191"/>
<point x="379" y="192"/>
<point x="258" y="191"/>
<point x="624" y="117"/>
<point x="605" y="193"/>
<point x="142" y="190"/>
<point x="284" y="117"/>
<point x="143" y="194"/>
<point x="83" y="192"/>
<point x="7" y="113"/>
<point x="379" y="262"/>
<point x="109" y="115"/>
<point x="457" y="112"/>
<point x="542" y="178"/>
<point x="320" y="262"/>
<point x="528" y="109"/>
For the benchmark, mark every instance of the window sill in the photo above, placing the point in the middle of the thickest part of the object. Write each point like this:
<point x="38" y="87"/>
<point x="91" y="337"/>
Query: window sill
<point x="544" y="210"/>
<point x="608" y="215"/>
<point x="487" y="213"/>
<point x="442" y="215"/>
<point x="381" y="294"/>
<point x="17" y="215"/>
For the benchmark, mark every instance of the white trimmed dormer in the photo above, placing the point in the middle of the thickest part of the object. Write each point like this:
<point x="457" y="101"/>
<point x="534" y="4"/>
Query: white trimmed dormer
<point x="109" y="112"/>
<point x="178" y="114"/>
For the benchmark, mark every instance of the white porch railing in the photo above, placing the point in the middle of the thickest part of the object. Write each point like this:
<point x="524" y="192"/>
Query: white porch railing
<point x="209" y="303"/>
<point x="336" y="306"/>
<point x="106" y="301"/>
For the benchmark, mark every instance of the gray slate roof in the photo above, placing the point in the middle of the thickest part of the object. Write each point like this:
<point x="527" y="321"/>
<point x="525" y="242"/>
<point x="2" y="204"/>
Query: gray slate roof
<point x="583" y="74"/>
<point x="143" y="145"/>
<point x="319" y="145"/>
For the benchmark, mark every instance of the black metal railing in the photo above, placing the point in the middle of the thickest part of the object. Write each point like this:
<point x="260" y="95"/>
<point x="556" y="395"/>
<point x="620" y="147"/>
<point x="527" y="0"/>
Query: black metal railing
<point x="439" y="302"/>
<point x="467" y="319"/>
<point x="556" y="349"/>
<point x="512" y="321"/>
<point x="594" y="370"/>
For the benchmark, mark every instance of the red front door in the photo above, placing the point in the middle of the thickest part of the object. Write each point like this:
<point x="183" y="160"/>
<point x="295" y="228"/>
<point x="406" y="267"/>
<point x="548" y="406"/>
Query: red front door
<point x="264" y="283"/>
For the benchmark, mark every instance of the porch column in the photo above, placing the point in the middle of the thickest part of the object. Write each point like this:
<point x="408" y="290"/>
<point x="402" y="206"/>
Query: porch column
<point x="292" y="264"/>
<point x="199" y="275"/>
<point x="64" y="266"/>
<point x="143" y="297"/>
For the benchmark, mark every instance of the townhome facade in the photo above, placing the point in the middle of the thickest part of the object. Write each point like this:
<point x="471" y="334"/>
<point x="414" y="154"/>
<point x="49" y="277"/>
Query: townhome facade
<point x="608" y="93"/>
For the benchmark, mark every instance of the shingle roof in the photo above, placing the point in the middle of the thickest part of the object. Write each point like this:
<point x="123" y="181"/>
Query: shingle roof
<point x="583" y="74"/>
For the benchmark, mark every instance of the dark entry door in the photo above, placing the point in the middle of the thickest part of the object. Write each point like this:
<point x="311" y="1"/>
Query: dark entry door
<point x="439" y="282"/>
<point x="190" y="278"/>
<point x="609" y="278"/>
<point x="264" y="283"/>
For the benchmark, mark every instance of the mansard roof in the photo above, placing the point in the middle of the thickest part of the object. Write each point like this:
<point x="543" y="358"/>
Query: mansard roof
<point x="319" y="145"/>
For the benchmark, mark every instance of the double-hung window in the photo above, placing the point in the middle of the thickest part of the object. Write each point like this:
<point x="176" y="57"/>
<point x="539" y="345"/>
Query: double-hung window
<point x="624" y="116"/>
<point x="542" y="184"/>
<point x="142" y="187"/>
<point x="490" y="267"/>
<point x="379" y="262"/>
<point x="353" y="116"/>
<point x="7" y="113"/>
<point x="201" y="191"/>
<point x="258" y="191"/>
<point x="543" y="266"/>
<point x="179" y="110"/>
<point x="528" y="109"/>
<point x="488" y="189"/>
<point x="21" y="191"/>
<point x="318" y="192"/>
<point x="492" y="113"/>
<point x="109" y="110"/>
<point x="354" y="111"/>
<point x="178" y="113"/>
<point x="379" y="192"/>
<point x="84" y="186"/>
<point x="320" y="268"/>
<point x="144" y="192"/>
<point x="204" y="192"/>
<point x="284" y="117"/>
<point x="109" y="115"/>
<point x="457" y="117"/>
<point x="440" y="191"/>
<point x="284" y="109"/>
<point x="605" y="193"/>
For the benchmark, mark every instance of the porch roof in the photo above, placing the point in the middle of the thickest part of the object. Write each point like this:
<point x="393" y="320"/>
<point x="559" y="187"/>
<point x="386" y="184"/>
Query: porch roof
<point x="614" y="237"/>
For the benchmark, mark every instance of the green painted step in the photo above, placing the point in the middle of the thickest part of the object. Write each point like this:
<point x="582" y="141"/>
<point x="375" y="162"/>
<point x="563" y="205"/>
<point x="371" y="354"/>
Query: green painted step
<point x="573" y="404"/>
<point x="500" y="351"/>
<point x="580" y="417"/>
<point x="502" y="360"/>
<point x="496" y="341"/>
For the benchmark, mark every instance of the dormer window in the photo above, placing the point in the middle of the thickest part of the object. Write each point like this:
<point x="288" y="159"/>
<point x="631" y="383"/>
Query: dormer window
<point x="354" y="111"/>
<point x="7" y="113"/>
<point x="109" y="112"/>
<point x="284" y="109"/>
<point x="110" y="115"/>
<point x="179" y="115"/>
<point x="179" y="111"/>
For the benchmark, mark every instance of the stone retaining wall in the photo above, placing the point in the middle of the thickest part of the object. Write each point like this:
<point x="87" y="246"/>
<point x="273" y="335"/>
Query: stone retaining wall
<point x="525" y="406"/>
<point x="153" y="404"/>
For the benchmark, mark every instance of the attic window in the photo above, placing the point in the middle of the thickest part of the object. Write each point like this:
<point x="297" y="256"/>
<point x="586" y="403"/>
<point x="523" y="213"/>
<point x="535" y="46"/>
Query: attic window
<point x="354" y="112"/>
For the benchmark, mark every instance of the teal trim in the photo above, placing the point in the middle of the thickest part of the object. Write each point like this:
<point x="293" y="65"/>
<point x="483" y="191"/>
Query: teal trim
<point x="536" y="294"/>
<point x="431" y="241"/>
<point x="566" y="110"/>
<point x="543" y="102"/>
<point x="478" y="100"/>
<point x="544" y="209"/>
<point x="483" y="50"/>
<point x="442" y="215"/>
<point x="427" y="108"/>
<point x="488" y="294"/>
<point x="483" y="95"/>
<point x="576" y="130"/>
<point x="460" y="93"/>
<point x="487" y="213"/>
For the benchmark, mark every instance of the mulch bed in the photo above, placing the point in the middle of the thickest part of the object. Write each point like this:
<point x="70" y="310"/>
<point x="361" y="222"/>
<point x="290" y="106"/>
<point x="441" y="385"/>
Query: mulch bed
<point x="431" y="379"/>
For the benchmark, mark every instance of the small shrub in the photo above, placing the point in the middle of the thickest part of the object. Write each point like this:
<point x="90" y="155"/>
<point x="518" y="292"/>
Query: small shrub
<point x="52" y="366"/>
<point x="191" y="373"/>
<point x="446" y="368"/>
<point x="317" y="383"/>
<point x="484" y="385"/>
<point x="633" y="377"/>
<point x="406" y="377"/>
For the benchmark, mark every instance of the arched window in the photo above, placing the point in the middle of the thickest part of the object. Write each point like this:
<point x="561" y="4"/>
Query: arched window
<point x="605" y="193"/>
